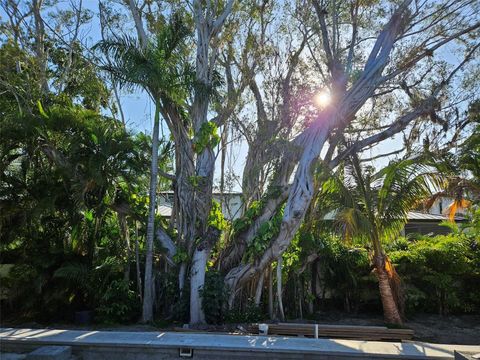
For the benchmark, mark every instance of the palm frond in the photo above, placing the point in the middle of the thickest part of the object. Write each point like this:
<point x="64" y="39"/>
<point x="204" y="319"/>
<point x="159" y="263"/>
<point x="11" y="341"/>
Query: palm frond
<point x="376" y="205"/>
<point x="74" y="272"/>
<point x="161" y="67"/>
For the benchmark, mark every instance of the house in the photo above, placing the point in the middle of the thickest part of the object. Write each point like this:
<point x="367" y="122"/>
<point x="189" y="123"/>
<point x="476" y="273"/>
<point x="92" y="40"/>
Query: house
<point x="424" y="223"/>
<point x="232" y="204"/>
<point x="427" y="223"/>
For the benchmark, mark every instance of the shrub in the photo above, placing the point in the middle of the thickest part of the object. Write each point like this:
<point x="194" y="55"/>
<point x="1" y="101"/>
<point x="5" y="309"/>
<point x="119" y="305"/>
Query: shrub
<point x="444" y="268"/>
<point x="214" y="297"/>
<point x="118" y="304"/>
<point x="251" y="313"/>
<point x="346" y="274"/>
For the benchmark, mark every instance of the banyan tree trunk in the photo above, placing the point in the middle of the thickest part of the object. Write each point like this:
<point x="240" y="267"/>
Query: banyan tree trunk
<point x="199" y="263"/>
<point x="270" y="292"/>
<point x="279" y="289"/>
<point x="259" y="289"/>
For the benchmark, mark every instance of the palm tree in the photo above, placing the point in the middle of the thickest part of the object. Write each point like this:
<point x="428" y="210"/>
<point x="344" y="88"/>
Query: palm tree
<point x="157" y="68"/>
<point x="463" y="183"/>
<point x="373" y="207"/>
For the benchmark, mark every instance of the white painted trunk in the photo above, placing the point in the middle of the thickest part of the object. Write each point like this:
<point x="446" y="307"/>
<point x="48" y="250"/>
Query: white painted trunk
<point x="197" y="280"/>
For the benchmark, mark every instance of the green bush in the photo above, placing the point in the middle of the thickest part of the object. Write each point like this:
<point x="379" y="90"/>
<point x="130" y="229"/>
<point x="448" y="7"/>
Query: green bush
<point x="118" y="304"/>
<point x="346" y="274"/>
<point x="441" y="274"/>
<point x="250" y="314"/>
<point x="214" y="297"/>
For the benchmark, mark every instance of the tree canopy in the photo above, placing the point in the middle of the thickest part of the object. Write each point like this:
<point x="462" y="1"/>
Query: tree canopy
<point x="365" y="109"/>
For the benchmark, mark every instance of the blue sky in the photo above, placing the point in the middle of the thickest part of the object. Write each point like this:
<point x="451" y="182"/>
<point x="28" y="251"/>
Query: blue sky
<point x="138" y="108"/>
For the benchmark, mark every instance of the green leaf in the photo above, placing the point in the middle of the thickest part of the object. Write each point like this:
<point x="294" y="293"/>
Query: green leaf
<point x="40" y="110"/>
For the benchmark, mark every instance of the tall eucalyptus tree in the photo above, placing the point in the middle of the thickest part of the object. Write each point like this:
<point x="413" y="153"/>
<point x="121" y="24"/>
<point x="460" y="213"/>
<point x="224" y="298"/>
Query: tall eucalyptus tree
<point x="194" y="157"/>
<point x="400" y="52"/>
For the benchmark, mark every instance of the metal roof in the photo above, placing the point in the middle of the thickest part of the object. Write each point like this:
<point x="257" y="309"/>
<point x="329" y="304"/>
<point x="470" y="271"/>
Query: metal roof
<point x="412" y="216"/>
<point x="419" y="216"/>
<point x="214" y="192"/>
<point x="164" y="210"/>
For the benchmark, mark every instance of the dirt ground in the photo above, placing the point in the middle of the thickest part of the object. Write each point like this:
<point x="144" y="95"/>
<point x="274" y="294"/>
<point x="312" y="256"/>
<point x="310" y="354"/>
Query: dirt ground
<point x="447" y="330"/>
<point x="463" y="329"/>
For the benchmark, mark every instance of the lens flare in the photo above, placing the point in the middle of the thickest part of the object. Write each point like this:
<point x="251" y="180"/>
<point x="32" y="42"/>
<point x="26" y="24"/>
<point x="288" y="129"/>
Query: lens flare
<point x="322" y="99"/>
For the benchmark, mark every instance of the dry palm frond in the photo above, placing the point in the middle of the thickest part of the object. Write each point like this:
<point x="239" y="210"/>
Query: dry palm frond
<point x="455" y="206"/>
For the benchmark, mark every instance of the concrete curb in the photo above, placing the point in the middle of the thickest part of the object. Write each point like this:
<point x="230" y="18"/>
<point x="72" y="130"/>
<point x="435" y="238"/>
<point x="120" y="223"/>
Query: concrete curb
<point x="96" y="345"/>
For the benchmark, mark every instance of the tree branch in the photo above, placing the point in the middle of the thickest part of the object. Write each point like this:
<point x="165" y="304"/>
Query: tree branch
<point x="137" y="17"/>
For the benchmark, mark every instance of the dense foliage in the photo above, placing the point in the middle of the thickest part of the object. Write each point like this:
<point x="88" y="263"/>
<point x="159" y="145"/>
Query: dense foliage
<point x="439" y="273"/>
<point x="80" y="222"/>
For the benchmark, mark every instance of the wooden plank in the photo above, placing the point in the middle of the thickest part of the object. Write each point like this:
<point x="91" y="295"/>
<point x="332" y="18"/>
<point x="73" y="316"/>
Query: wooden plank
<point x="333" y="327"/>
<point x="336" y="331"/>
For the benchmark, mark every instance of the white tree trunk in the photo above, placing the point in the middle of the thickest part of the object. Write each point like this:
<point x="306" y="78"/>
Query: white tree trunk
<point x="270" y="292"/>
<point x="197" y="280"/>
<point x="205" y="167"/>
<point x="137" y="17"/>
<point x="279" y="288"/>
<point x="259" y="289"/>
<point x="301" y="193"/>
<point x="147" y="312"/>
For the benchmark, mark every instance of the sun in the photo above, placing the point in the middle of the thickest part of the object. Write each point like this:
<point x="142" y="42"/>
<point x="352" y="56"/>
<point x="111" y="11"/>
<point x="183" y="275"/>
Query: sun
<point x="322" y="99"/>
